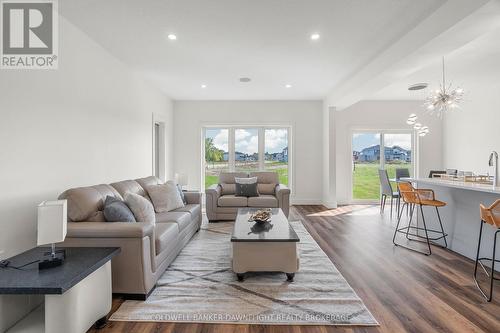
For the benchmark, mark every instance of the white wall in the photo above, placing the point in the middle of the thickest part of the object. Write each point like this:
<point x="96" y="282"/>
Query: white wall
<point x="473" y="131"/>
<point x="88" y="122"/>
<point x="388" y="115"/>
<point x="305" y="117"/>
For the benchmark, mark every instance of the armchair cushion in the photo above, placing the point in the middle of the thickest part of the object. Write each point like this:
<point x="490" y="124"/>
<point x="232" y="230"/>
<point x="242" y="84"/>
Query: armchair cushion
<point x="232" y="201"/>
<point x="264" y="201"/>
<point x="228" y="188"/>
<point x="266" y="188"/>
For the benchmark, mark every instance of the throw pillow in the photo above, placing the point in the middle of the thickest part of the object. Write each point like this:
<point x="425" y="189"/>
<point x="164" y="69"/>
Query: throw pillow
<point x="116" y="210"/>
<point x="266" y="188"/>
<point x="165" y="197"/>
<point x="141" y="207"/>
<point x="246" y="190"/>
<point x="250" y="180"/>
<point x="183" y="197"/>
<point x="228" y="188"/>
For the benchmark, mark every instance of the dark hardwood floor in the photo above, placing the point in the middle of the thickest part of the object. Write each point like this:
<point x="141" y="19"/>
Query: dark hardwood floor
<point x="405" y="291"/>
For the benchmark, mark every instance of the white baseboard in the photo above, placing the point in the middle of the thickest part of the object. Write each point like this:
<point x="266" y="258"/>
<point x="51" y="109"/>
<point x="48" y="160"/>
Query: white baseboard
<point x="330" y="204"/>
<point x="305" y="201"/>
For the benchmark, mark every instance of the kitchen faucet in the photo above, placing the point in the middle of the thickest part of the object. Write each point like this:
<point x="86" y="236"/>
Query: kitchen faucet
<point x="494" y="163"/>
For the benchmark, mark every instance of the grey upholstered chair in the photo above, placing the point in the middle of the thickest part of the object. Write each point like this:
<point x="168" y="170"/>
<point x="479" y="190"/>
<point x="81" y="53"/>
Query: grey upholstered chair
<point x="402" y="173"/>
<point x="387" y="191"/>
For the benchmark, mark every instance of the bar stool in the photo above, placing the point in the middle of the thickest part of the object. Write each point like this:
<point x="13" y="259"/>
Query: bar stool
<point x="421" y="197"/>
<point x="490" y="215"/>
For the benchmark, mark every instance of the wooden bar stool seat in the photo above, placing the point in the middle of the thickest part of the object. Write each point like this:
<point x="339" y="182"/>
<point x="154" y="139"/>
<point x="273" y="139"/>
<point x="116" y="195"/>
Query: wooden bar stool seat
<point x="489" y="215"/>
<point x="421" y="197"/>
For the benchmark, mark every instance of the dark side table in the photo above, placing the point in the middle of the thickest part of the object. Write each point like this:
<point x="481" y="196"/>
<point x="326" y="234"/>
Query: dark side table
<point x="77" y="293"/>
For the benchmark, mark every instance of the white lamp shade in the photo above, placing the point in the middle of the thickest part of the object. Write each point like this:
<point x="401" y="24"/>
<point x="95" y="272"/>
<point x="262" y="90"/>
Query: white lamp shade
<point x="52" y="222"/>
<point x="181" y="179"/>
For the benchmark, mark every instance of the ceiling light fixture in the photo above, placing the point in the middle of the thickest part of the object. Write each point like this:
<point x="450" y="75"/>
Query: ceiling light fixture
<point x="245" y="79"/>
<point x="444" y="99"/>
<point x="315" y="36"/>
<point x="412" y="119"/>
<point x="203" y="86"/>
<point x="172" y="37"/>
<point x="288" y="86"/>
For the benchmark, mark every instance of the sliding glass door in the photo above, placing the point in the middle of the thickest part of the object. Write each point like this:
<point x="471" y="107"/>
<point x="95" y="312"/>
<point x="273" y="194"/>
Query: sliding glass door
<point x="245" y="149"/>
<point x="374" y="150"/>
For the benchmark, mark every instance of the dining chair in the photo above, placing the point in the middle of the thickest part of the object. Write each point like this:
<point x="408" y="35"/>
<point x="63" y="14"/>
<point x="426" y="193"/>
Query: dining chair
<point x="402" y="173"/>
<point x="387" y="190"/>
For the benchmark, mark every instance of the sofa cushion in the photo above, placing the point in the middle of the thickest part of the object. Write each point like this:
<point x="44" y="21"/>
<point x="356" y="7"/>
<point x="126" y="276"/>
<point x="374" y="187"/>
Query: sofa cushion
<point x="141" y="207"/>
<point x="228" y="177"/>
<point x="129" y="186"/>
<point x="266" y="177"/>
<point x="148" y="181"/>
<point x="267" y="201"/>
<point x="266" y="188"/>
<point x="193" y="209"/>
<point x="183" y="219"/>
<point x="165" y="197"/>
<point x="232" y="201"/>
<point x="228" y="188"/>
<point x="87" y="203"/>
<point x="165" y="236"/>
<point x="115" y="210"/>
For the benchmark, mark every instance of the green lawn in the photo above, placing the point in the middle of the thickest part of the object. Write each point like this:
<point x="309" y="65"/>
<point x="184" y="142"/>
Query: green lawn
<point x="366" y="184"/>
<point x="279" y="167"/>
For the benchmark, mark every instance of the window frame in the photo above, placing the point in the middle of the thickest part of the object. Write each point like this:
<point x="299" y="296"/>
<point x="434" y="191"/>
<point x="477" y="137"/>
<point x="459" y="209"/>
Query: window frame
<point x="414" y="161"/>
<point x="261" y="146"/>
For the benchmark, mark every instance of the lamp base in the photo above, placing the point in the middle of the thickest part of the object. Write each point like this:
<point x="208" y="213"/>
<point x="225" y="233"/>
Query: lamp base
<point x="53" y="260"/>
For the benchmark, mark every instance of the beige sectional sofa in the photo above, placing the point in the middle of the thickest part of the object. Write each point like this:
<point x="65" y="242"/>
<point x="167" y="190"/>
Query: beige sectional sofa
<point x="146" y="249"/>
<point x="223" y="204"/>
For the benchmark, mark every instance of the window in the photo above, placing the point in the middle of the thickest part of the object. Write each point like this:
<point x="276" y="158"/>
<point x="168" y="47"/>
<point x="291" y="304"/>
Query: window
<point x="276" y="152"/>
<point x="367" y="149"/>
<point x="246" y="149"/>
<point x="216" y="154"/>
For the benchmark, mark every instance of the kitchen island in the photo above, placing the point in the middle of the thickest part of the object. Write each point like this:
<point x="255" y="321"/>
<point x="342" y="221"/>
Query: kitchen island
<point x="461" y="215"/>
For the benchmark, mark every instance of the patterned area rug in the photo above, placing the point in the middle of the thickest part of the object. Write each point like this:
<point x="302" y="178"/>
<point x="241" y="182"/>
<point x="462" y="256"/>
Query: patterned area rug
<point x="199" y="286"/>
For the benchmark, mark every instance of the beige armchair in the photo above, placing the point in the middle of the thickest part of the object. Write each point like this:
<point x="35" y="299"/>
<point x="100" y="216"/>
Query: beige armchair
<point x="223" y="204"/>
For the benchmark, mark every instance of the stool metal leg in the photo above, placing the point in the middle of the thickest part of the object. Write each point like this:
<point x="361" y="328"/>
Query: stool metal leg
<point x="442" y="229"/>
<point x="425" y="229"/>
<point x="478" y="261"/>
<point x="493" y="266"/>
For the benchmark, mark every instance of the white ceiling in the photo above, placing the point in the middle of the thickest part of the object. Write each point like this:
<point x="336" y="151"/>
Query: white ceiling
<point x="220" y="41"/>
<point x="474" y="66"/>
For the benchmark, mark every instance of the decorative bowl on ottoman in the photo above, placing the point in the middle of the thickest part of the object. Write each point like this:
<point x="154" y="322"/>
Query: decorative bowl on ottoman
<point x="261" y="216"/>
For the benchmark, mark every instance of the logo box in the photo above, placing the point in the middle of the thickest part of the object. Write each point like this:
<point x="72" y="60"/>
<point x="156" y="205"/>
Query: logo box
<point x="29" y="34"/>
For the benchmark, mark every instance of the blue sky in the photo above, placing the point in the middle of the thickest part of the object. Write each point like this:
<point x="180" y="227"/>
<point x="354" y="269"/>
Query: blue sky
<point x="247" y="140"/>
<point x="364" y="140"/>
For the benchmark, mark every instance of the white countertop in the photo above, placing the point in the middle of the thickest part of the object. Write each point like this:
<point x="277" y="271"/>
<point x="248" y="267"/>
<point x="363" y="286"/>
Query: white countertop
<point x="456" y="184"/>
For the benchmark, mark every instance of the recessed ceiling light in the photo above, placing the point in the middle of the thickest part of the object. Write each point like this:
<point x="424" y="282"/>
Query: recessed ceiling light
<point x="245" y="79"/>
<point x="172" y="37"/>
<point x="315" y="36"/>
<point x="288" y="86"/>
<point x="203" y="86"/>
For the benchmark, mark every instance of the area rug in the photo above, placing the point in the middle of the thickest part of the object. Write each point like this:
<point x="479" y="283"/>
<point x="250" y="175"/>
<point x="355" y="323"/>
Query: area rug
<point x="200" y="287"/>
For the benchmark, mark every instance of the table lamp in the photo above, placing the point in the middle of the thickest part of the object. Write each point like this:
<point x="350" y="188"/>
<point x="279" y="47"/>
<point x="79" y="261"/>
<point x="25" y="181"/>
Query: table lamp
<point x="181" y="179"/>
<point x="52" y="222"/>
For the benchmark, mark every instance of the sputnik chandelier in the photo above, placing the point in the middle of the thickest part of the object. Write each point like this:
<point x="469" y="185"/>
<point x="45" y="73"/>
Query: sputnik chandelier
<point x="444" y="99"/>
